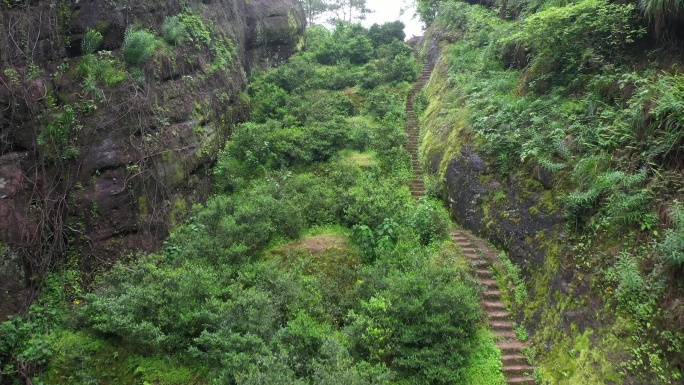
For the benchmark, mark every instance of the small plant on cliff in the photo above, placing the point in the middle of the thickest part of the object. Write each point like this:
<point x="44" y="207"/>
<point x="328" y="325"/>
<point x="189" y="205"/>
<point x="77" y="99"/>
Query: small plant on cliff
<point x="138" y="46"/>
<point x="186" y="28"/>
<point x="57" y="133"/>
<point x="91" y="42"/>
<point x="173" y="30"/>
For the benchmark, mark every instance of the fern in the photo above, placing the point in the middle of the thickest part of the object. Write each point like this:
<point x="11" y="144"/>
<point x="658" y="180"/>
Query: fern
<point x="625" y="201"/>
<point x="550" y="165"/>
<point x="672" y="245"/>
<point x="629" y="208"/>
<point x="630" y="291"/>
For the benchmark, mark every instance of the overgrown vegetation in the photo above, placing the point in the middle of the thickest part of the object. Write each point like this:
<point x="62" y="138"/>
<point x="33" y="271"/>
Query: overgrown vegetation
<point x="243" y="293"/>
<point x="562" y="94"/>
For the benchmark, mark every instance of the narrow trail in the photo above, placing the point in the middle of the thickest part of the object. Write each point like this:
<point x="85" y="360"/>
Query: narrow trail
<point x="515" y="366"/>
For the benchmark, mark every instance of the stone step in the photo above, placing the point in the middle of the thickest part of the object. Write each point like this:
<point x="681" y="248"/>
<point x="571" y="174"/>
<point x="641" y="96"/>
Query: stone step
<point x="469" y="250"/>
<point x="510" y="347"/>
<point x="480" y="263"/>
<point x="490" y="283"/>
<point x="505" y="334"/>
<point x="498" y="315"/>
<point x="519" y="370"/>
<point x="484" y="273"/>
<point x="527" y="380"/>
<point x="494" y="305"/>
<point x="520" y="380"/>
<point x="501" y="325"/>
<point x="513" y="359"/>
<point x="491" y="294"/>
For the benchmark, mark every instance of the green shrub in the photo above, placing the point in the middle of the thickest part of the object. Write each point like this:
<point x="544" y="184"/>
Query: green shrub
<point x="403" y="68"/>
<point x="371" y="201"/>
<point x="349" y="42"/>
<point x="138" y="46"/>
<point x="104" y="68"/>
<point x="268" y="101"/>
<point x="91" y="42"/>
<point x="322" y="106"/>
<point x="430" y="221"/>
<point x="420" y="322"/>
<point x="297" y="74"/>
<point x="582" y="37"/>
<point x="173" y="30"/>
<point x="380" y="103"/>
<point x="302" y="340"/>
<point x="186" y="27"/>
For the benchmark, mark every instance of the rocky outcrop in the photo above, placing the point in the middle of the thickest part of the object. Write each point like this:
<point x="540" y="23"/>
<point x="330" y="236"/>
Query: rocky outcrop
<point x="99" y="157"/>
<point x="515" y="212"/>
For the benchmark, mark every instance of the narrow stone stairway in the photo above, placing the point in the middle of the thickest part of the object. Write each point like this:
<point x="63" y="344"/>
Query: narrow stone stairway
<point x="416" y="186"/>
<point x="515" y="366"/>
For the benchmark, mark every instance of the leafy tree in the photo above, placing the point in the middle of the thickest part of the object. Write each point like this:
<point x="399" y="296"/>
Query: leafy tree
<point x="313" y="9"/>
<point x="348" y="10"/>
<point x="386" y="33"/>
<point x="420" y="323"/>
<point x="427" y="10"/>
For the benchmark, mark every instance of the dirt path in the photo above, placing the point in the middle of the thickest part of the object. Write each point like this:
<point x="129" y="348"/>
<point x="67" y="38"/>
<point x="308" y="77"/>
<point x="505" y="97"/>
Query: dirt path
<point x="515" y="366"/>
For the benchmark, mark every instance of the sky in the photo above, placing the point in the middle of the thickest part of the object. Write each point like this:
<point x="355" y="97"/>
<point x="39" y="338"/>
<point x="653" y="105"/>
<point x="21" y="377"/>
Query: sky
<point x="389" y="10"/>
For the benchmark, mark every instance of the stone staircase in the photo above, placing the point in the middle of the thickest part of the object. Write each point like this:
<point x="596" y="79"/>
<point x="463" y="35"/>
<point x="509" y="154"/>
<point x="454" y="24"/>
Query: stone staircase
<point x="515" y="366"/>
<point x="416" y="186"/>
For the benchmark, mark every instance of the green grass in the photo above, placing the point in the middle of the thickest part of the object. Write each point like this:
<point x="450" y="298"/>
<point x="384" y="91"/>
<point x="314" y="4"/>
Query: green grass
<point x="484" y="366"/>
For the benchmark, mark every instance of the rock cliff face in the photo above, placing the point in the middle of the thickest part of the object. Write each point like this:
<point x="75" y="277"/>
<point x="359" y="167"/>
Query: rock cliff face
<point x="98" y="155"/>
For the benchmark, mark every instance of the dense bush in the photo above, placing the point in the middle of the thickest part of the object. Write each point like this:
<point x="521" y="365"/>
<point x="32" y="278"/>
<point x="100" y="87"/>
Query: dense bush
<point x="430" y="221"/>
<point x="412" y="307"/>
<point x="138" y="46"/>
<point x="561" y="47"/>
<point x="173" y="30"/>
